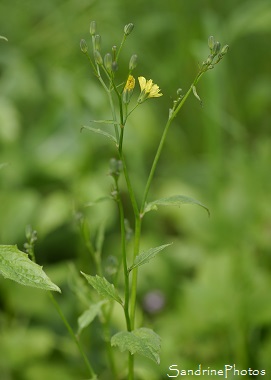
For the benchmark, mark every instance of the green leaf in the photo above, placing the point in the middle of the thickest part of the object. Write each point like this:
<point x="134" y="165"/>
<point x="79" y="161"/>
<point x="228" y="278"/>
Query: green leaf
<point x="146" y="256"/>
<point x="196" y="94"/>
<point x="3" y="38"/>
<point x="16" y="265"/>
<point x="89" y="315"/>
<point x="100" y="132"/>
<point x="142" y="341"/>
<point x="175" y="200"/>
<point x="103" y="287"/>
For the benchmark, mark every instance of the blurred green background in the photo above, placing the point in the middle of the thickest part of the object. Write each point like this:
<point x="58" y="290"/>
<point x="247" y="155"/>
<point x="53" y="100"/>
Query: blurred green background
<point x="208" y="296"/>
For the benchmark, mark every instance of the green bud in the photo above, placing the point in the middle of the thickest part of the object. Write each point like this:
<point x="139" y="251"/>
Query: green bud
<point x="83" y="46"/>
<point x="133" y="62"/>
<point x="224" y="50"/>
<point x="115" y="66"/>
<point x="211" y="42"/>
<point x="97" y="42"/>
<point x="98" y="57"/>
<point x="92" y="28"/>
<point x="108" y="62"/>
<point x="114" y="52"/>
<point x="216" y="48"/>
<point x="128" y="28"/>
<point x="209" y="60"/>
<point x="126" y="96"/>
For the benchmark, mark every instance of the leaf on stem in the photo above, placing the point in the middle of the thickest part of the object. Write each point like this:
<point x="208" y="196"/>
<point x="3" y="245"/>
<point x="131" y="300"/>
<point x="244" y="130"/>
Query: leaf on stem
<point x="89" y="315"/>
<point x="196" y="94"/>
<point x="146" y="256"/>
<point x="103" y="287"/>
<point x="100" y="132"/>
<point x="142" y="341"/>
<point x="16" y="265"/>
<point x="174" y="200"/>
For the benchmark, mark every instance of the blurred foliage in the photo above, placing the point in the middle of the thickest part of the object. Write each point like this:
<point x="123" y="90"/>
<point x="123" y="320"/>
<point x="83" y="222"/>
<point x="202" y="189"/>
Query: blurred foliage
<point x="214" y="281"/>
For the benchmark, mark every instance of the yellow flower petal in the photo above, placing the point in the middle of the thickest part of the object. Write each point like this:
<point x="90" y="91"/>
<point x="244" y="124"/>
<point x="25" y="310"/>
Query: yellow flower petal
<point x="130" y="84"/>
<point x="142" y="83"/>
<point x="148" y="89"/>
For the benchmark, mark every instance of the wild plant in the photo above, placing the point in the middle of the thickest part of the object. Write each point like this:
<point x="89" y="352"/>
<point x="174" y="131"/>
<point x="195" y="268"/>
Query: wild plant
<point x="125" y="95"/>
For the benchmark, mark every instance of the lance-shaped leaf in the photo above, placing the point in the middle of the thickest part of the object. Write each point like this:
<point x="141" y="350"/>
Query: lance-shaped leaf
<point x="16" y="265"/>
<point x="89" y="315"/>
<point x="3" y="38"/>
<point x="146" y="256"/>
<point x="142" y="341"/>
<point x="103" y="287"/>
<point x="196" y="94"/>
<point x="100" y="132"/>
<point x="174" y="200"/>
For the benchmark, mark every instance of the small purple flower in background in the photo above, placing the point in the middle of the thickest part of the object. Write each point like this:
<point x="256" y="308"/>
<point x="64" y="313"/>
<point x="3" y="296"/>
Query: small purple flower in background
<point x="154" y="301"/>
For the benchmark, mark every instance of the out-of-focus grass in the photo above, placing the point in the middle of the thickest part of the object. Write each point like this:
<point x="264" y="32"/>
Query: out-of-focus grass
<point x="215" y="279"/>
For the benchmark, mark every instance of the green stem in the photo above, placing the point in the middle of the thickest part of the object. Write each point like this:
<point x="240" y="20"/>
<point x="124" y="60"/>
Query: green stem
<point x="138" y="223"/>
<point x="74" y="337"/>
<point x="129" y="185"/>
<point x="106" y="333"/>
<point x="138" y="218"/>
<point x="162" y="142"/>
<point x="124" y="260"/>
<point x="131" y="367"/>
<point x="121" y="46"/>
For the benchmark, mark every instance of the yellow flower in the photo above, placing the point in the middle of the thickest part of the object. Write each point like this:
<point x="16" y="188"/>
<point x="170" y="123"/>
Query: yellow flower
<point x="148" y="90"/>
<point x="130" y="84"/>
<point x="128" y="89"/>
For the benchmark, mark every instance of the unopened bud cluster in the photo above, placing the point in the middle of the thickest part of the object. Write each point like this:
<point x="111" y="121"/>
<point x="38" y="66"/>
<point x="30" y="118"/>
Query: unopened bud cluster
<point x="109" y="61"/>
<point x="216" y="54"/>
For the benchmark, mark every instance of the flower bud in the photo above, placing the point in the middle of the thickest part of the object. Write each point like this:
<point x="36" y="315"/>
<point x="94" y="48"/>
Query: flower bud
<point x="114" y="52"/>
<point x="211" y="42"/>
<point x="92" y="28"/>
<point x="216" y="48"/>
<point x="108" y="62"/>
<point x="97" y="42"/>
<point x="224" y="50"/>
<point x="83" y="46"/>
<point x="209" y="60"/>
<point x="128" y="28"/>
<point x="133" y="62"/>
<point x="98" y="57"/>
<point x="115" y="66"/>
<point x="128" y="90"/>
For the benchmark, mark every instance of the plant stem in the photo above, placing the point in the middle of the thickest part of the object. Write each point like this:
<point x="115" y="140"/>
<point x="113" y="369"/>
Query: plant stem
<point x="138" y="222"/>
<point x="74" y="337"/>
<point x="162" y="142"/>
<point x="124" y="259"/>
<point x="131" y="367"/>
<point x="138" y="218"/>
